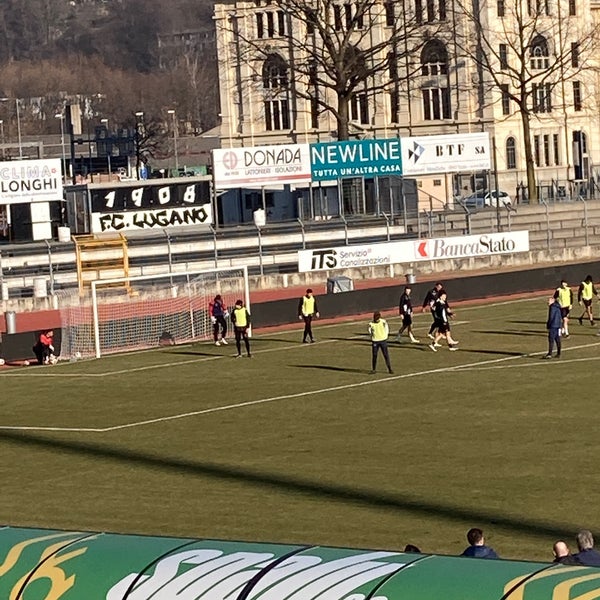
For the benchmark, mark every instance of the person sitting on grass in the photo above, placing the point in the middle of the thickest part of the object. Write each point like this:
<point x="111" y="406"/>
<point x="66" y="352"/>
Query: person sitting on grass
<point x="477" y="547"/>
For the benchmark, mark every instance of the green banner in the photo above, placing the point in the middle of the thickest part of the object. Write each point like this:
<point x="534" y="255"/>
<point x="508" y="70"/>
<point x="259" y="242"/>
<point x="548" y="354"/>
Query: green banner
<point x="56" y="565"/>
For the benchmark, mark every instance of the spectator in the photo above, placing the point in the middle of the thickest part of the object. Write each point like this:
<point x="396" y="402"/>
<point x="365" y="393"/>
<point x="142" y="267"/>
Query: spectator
<point x="553" y="325"/>
<point x="562" y="554"/>
<point x="477" y="547"/>
<point x="587" y="555"/>
<point x="44" y="347"/>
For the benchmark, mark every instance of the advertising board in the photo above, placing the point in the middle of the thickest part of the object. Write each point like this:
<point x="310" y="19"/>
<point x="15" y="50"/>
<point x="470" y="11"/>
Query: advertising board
<point x="356" y="158"/>
<point x="445" y="153"/>
<point x="261" y="165"/>
<point x="30" y="181"/>
<point x="407" y="251"/>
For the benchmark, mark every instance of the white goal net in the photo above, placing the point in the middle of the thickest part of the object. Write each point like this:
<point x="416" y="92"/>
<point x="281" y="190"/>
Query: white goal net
<point x="137" y="313"/>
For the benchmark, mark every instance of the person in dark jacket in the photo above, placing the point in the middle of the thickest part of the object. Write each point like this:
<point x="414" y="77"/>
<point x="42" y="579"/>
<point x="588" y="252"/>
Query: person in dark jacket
<point x="429" y="302"/>
<point x="477" y="547"/>
<point x="587" y="555"/>
<point x="562" y="554"/>
<point x="218" y="312"/>
<point x="405" y="309"/>
<point x="442" y="314"/>
<point x="554" y="325"/>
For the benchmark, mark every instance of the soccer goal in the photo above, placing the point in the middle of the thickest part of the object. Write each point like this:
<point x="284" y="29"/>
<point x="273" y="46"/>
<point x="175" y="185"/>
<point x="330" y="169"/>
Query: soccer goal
<point x="138" y="313"/>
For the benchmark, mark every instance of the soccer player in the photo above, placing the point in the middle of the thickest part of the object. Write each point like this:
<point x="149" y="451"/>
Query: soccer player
<point x="307" y="310"/>
<point x="218" y="312"/>
<point x="44" y="348"/>
<point x="406" y="312"/>
<point x="564" y="295"/>
<point x="442" y="316"/>
<point x="554" y="325"/>
<point x="240" y="317"/>
<point x="379" y="332"/>
<point x="429" y="302"/>
<point x="585" y="297"/>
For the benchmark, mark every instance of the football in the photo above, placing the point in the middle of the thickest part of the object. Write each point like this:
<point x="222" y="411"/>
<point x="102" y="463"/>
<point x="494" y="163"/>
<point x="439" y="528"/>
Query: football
<point x="25" y="363"/>
<point x="1" y="361"/>
<point x="52" y="360"/>
<point x="78" y="355"/>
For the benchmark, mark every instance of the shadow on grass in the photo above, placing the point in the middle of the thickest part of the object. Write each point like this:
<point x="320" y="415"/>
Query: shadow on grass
<point x="495" y="352"/>
<point x="332" y="368"/>
<point x="280" y="482"/>
<point x="193" y="353"/>
<point x="512" y="332"/>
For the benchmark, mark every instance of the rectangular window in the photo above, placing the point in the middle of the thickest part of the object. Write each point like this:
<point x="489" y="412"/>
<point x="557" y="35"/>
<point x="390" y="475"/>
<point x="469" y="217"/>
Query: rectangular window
<point x="348" y="16"/>
<point x="577" y="103"/>
<point x="390" y="18"/>
<point x="436" y="104"/>
<point x="536" y="150"/>
<point x="500" y="8"/>
<point x="394" y="107"/>
<point x="270" y="25"/>
<point x="556" y="149"/>
<point x="314" y="113"/>
<point x="442" y="6"/>
<point x="542" y="97"/>
<point x="360" y="13"/>
<point x="277" y="115"/>
<point x="503" y="56"/>
<point x="337" y="17"/>
<point x="419" y="11"/>
<point x="505" y="99"/>
<point x="575" y="54"/>
<point x="281" y="22"/>
<point x="430" y="10"/>
<point x="511" y="155"/>
<point x="572" y="8"/>
<point x="547" y="150"/>
<point x="260" y="28"/>
<point x="359" y="109"/>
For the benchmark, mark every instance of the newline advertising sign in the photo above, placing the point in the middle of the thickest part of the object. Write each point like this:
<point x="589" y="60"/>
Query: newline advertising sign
<point x="358" y="158"/>
<point x="372" y="255"/>
<point x="445" y="153"/>
<point x="261" y="165"/>
<point x="30" y="181"/>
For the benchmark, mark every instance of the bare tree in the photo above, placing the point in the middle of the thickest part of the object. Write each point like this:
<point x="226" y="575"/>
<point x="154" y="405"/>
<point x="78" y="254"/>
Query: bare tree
<point x="526" y="54"/>
<point x="333" y="54"/>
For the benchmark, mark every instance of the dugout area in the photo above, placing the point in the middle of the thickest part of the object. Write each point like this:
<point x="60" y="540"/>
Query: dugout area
<point x="120" y="567"/>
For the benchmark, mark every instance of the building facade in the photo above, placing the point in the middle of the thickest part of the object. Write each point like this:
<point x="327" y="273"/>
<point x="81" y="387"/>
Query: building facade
<point x="449" y="68"/>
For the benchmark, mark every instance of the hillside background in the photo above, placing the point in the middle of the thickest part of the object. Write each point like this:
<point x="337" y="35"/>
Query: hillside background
<point x="115" y="57"/>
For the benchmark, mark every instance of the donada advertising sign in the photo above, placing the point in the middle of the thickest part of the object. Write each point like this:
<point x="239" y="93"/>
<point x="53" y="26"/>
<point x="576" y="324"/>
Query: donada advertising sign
<point x="372" y="255"/>
<point x="261" y="165"/>
<point x="30" y="181"/>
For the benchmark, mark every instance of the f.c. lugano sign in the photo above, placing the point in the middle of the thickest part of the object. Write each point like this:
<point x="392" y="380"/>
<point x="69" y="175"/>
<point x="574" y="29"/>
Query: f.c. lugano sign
<point x="56" y="565"/>
<point x="372" y="255"/>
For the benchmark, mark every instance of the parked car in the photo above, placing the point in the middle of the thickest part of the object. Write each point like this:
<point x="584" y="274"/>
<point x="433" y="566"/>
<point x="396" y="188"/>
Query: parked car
<point x="482" y="199"/>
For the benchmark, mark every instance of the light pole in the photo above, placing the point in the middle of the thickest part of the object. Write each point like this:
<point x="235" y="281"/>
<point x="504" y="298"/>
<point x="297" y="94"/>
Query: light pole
<point x="61" y="116"/>
<point x="172" y="113"/>
<point x="138" y="121"/>
<point x="2" y="135"/>
<point x="5" y="99"/>
<point x="108" y="146"/>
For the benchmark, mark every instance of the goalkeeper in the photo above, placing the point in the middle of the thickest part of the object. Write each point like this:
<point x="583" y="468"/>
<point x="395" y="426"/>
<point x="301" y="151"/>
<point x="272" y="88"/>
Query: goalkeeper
<point x="44" y="347"/>
<point x="218" y="312"/>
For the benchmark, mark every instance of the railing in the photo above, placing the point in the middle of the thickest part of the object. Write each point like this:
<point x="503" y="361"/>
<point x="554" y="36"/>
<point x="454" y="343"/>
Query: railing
<point x="273" y="248"/>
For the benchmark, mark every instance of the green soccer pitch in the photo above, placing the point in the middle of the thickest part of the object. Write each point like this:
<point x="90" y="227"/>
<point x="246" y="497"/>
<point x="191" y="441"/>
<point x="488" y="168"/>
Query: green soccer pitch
<point x="301" y="444"/>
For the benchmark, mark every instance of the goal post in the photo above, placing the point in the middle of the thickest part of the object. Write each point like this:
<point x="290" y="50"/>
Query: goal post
<point x="137" y="313"/>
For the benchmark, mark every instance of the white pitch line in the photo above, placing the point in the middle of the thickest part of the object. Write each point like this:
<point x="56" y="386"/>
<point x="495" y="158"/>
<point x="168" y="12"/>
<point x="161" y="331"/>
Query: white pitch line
<point x="259" y="401"/>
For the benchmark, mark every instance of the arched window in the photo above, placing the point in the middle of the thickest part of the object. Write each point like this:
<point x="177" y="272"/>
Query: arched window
<point x="539" y="53"/>
<point x="276" y="104"/>
<point x="436" y="93"/>
<point x="511" y="153"/>
<point x="274" y="72"/>
<point x="434" y="58"/>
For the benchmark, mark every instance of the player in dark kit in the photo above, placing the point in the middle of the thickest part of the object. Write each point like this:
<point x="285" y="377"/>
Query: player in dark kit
<point x="406" y="311"/>
<point x="442" y="316"/>
<point x="429" y="302"/>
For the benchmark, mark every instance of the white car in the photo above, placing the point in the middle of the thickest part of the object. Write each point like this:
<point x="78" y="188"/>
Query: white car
<point x="482" y="199"/>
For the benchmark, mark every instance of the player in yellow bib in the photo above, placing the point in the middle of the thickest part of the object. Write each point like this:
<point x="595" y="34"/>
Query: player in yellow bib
<point x="585" y="297"/>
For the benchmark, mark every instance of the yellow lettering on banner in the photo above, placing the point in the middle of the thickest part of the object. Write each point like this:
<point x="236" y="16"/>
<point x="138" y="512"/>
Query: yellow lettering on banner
<point x="561" y="589"/>
<point x="15" y="552"/>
